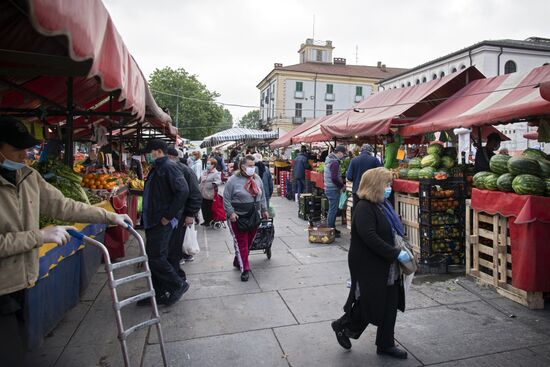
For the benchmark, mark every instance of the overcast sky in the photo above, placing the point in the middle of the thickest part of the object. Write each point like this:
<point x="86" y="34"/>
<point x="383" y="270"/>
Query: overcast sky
<point x="232" y="45"/>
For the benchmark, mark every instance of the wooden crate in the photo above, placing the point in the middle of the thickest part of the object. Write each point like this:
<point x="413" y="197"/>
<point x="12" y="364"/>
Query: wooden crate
<point x="406" y="206"/>
<point x="489" y="256"/>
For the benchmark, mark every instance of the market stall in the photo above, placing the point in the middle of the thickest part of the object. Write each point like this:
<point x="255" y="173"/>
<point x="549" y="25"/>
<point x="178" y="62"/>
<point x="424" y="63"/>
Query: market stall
<point x="239" y="134"/>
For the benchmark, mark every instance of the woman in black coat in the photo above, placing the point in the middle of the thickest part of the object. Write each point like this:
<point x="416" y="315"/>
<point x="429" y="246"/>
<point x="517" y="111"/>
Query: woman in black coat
<point x="376" y="281"/>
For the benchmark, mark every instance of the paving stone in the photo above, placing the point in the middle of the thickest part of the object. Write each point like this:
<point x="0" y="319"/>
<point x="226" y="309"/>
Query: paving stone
<point x="315" y="345"/>
<point x="223" y="315"/>
<point x="63" y="332"/>
<point x="484" y="291"/>
<point x="218" y="284"/>
<point x="209" y="263"/>
<point x="538" y="320"/>
<point x="302" y="276"/>
<point x="255" y="348"/>
<point x="314" y="304"/>
<point x="516" y="358"/>
<point x="449" y="292"/>
<point x="43" y="357"/>
<point x="452" y="332"/>
<point x="320" y="254"/>
<point x="415" y="299"/>
<point x="542" y="350"/>
<point x="259" y="260"/>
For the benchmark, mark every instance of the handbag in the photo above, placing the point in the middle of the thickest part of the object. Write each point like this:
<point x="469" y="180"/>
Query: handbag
<point x="343" y="200"/>
<point x="411" y="266"/>
<point x="250" y="220"/>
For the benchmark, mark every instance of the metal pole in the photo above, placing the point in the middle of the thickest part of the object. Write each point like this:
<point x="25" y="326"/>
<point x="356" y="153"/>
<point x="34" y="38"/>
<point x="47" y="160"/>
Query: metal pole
<point x="177" y="113"/>
<point x="69" y="141"/>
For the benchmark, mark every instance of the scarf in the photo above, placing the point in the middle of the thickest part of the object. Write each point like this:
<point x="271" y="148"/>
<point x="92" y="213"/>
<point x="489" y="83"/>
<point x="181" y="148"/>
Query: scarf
<point x="392" y="217"/>
<point x="251" y="186"/>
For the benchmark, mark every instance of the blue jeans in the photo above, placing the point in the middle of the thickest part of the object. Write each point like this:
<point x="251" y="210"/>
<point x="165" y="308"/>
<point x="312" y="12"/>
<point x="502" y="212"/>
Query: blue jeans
<point x="333" y="196"/>
<point x="299" y="185"/>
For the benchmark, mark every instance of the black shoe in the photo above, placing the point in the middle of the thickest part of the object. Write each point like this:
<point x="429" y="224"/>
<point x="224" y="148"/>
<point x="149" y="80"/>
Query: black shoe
<point x="392" y="352"/>
<point x="337" y="233"/>
<point x="244" y="276"/>
<point x="177" y="294"/>
<point x="204" y="224"/>
<point x="343" y="340"/>
<point x="161" y="300"/>
<point x="188" y="258"/>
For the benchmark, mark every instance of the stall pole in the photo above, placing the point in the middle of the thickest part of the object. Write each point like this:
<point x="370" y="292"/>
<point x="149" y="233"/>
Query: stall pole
<point x="69" y="141"/>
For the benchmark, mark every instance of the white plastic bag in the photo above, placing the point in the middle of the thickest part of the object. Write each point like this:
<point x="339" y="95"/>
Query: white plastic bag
<point x="190" y="243"/>
<point x="407" y="282"/>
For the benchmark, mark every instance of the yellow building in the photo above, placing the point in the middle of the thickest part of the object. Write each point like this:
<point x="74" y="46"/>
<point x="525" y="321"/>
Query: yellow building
<point x="319" y="85"/>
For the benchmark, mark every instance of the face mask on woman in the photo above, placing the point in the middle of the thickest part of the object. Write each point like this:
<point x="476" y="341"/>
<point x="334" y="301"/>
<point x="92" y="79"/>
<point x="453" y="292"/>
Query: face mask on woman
<point x="387" y="192"/>
<point x="11" y="165"/>
<point x="208" y="166"/>
<point x="249" y="171"/>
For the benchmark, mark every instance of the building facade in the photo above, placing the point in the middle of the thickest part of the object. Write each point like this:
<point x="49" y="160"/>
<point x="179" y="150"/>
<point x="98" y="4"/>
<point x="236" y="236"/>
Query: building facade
<point x="319" y="85"/>
<point x="492" y="58"/>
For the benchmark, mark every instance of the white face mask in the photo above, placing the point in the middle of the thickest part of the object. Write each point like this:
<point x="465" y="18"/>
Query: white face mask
<point x="250" y="171"/>
<point x="208" y="166"/>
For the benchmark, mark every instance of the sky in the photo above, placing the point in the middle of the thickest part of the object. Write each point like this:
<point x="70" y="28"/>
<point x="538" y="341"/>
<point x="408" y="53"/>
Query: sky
<point x="232" y="45"/>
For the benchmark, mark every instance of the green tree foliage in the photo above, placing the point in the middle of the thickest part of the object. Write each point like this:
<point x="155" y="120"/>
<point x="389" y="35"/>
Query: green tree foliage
<point x="251" y="120"/>
<point x="197" y="116"/>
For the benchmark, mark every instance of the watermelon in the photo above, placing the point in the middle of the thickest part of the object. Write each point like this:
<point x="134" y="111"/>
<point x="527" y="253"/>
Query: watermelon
<point x="544" y="167"/>
<point x="499" y="163"/>
<point x="435" y="148"/>
<point x="413" y="174"/>
<point x="504" y="182"/>
<point x="415" y="163"/>
<point x="431" y="160"/>
<point x="547" y="182"/>
<point x="450" y="152"/>
<point x="447" y="162"/>
<point x="426" y="172"/>
<point x="403" y="173"/>
<point x="523" y="165"/>
<point x="478" y="179"/>
<point x="534" y="153"/>
<point x="490" y="181"/>
<point x="528" y="185"/>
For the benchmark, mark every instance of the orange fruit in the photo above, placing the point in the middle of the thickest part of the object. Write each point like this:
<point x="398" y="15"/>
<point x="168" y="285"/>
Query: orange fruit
<point x="93" y="187"/>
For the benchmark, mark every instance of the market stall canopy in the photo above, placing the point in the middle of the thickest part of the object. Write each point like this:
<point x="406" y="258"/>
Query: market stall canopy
<point x="532" y="135"/>
<point x="376" y="114"/>
<point x="224" y="146"/>
<point x="286" y="139"/>
<point x="313" y="133"/>
<point x="47" y="44"/>
<point x="239" y="134"/>
<point x="498" y="100"/>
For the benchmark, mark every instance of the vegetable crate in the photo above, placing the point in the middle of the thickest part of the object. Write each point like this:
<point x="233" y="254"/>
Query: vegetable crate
<point x="308" y="186"/>
<point x="349" y="205"/>
<point x="321" y="235"/>
<point x="489" y="257"/>
<point x="310" y="207"/>
<point x="441" y="219"/>
<point x="407" y="206"/>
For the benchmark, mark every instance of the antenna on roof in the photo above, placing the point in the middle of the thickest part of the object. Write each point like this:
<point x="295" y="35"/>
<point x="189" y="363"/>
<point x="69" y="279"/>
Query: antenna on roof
<point x="356" y="55"/>
<point x="313" y="36"/>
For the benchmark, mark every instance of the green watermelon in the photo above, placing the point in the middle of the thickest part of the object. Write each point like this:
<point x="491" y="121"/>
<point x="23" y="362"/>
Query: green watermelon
<point x="547" y="182"/>
<point x="442" y="170"/>
<point x="499" y="163"/>
<point x="490" y="181"/>
<point x="523" y="165"/>
<point x="431" y="160"/>
<point x="426" y="172"/>
<point x="415" y="163"/>
<point x="413" y="174"/>
<point x="447" y="162"/>
<point x="528" y="185"/>
<point x="534" y="153"/>
<point x="478" y="179"/>
<point x="403" y="173"/>
<point x="435" y="148"/>
<point x="544" y="167"/>
<point x="450" y="152"/>
<point x="504" y="182"/>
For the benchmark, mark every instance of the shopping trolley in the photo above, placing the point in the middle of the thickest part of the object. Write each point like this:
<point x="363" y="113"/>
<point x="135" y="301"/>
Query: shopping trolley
<point x="114" y="283"/>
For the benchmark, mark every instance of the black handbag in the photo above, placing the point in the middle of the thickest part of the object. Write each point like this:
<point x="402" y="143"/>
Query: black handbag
<point x="250" y="220"/>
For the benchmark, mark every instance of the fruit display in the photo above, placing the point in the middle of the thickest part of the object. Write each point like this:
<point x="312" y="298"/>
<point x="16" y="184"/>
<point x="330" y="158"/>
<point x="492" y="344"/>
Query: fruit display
<point x="403" y="173"/>
<point x="524" y="165"/>
<point x="426" y="172"/>
<point x="136" y="184"/>
<point x="547" y="183"/>
<point x="415" y="163"/>
<point x="439" y="163"/>
<point x="490" y="181"/>
<point x="438" y="219"/>
<point x="528" y="185"/>
<point x="99" y="181"/>
<point x="431" y="160"/>
<point x="63" y="178"/>
<point x="534" y="153"/>
<point x="443" y="193"/>
<point x="499" y="163"/>
<point x="504" y="182"/>
<point x="413" y="174"/>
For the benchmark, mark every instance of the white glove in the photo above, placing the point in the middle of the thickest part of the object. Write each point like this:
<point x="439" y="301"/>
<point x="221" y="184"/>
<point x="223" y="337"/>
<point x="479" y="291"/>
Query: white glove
<point x="57" y="234"/>
<point x="122" y="220"/>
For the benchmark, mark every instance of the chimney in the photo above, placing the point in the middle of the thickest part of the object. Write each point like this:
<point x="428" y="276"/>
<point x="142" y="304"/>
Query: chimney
<point x="277" y="65"/>
<point x="379" y="64"/>
<point x="339" y="61"/>
<point x="383" y="67"/>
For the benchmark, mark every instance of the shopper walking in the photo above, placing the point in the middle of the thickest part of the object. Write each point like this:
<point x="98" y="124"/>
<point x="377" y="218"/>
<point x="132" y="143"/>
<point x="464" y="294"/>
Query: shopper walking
<point x="204" y="160"/>
<point x="196" y="164"/>
<point x="376" y="281"/>
<point x="301" y="163"/>
<point x="359" y="165"/>
<point x="164" y="197"/>
<point x="333" y="184"/>
<point x="267" y="178"/>
<point x="210" y="180"/>
<point x="243" y="200"/>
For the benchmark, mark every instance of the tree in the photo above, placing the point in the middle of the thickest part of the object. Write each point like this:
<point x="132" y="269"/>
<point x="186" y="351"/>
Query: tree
<point x="195" y="111"/>
<point x="251" y="120"/>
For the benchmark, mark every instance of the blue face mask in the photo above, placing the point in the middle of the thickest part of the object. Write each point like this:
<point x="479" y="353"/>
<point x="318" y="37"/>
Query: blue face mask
<point x="387" y="192"/>
<point x="11" y="165"/>
<point x="149" y="158"/>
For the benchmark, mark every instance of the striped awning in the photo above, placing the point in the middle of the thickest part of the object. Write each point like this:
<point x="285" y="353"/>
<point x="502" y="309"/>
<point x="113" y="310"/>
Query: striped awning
<point x="239" y="134"/>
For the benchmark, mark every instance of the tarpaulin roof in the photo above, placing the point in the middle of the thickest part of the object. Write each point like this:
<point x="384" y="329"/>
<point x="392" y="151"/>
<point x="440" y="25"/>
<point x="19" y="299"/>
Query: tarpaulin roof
<point x="46" y="41"/>
<point x="286" y="139"/>
<point x="377" y="113"/>
<point x="238" y="134"/>
<point x="501" y="99"/>
<point x="314" y="133"/>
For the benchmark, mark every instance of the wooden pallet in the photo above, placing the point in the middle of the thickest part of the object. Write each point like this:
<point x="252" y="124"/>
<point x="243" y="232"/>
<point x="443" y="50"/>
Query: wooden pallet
<point x="489" y="257"/>
<point x="406" y="206"/>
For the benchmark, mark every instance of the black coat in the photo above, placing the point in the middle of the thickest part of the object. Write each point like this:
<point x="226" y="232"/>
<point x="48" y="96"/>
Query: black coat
<point x="370" y="255"/>
<point x="194" y="200"/>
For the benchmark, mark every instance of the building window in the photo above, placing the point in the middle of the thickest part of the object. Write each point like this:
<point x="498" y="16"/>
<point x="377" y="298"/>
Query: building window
<point x="408" y="84"/>
<point x="402" y="85"/>
<point x="298" y="110"/>
<point x="319" y="56"/>
<point x="454" y="70"/>
<point x="462" y="67"/>
<point x="262" y="99"/>
<point x="434" y="76"/>
<point x="329" y="109"/>
<point x="359" y="91"/>
<point x="299" y="86"/>
<point x="330" y="88"/>
<point x="510" y="67"/>
<point x="442" y="74"/>
<point x="417" y="81"/>
<point x="545" y="64"/>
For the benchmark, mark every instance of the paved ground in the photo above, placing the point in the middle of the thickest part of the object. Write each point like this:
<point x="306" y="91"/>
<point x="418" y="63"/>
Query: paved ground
<point x="281" y="317"/>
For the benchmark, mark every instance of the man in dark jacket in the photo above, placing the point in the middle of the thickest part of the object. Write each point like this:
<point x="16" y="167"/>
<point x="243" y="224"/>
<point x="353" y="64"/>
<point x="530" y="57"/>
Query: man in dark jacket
<point x="484" y="154"/>
<point x="191" y="209"/>
<point x="164" y="197"/>
<point x="333" y="184"/>
<point x="300" y="165"/>
<point x="359" y="165"/>
<point x="221" y="165"/>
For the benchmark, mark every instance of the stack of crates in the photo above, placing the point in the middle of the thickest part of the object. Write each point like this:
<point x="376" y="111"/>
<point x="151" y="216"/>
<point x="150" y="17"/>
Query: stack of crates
<point x="284" y="176"/>
<point x="441" y="214"/>
<point x="308" y="186"/>
<point x="310" y="207"/>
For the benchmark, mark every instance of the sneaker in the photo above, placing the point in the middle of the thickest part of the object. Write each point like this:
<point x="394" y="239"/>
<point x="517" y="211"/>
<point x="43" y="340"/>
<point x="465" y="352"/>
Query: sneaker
<point x="188" y="258"/>
<point x="244" y="276"/>
<point x="177" y="294"/>
<point x="341" y="337"/>
<point x="392" y="352"/>
<point x="161" y="300"/>
<point x="337" y="233"/>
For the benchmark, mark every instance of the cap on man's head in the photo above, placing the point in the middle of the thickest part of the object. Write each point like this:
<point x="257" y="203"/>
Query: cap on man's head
<point x="340" y="149"/>
<point x="367" y="148"/>
<point x="15" y="133"/>
<point x="173" y="152"/>
<point x="155" y="144"/>
<point x="494" y="137"/>
<point x="304" y="148"/>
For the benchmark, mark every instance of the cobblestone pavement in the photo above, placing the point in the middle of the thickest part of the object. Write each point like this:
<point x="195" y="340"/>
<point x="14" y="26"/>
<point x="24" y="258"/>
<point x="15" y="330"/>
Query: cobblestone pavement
<point x="282" y="315"/>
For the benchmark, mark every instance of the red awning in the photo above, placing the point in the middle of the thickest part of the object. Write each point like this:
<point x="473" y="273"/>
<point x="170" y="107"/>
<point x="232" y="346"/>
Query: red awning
<point x="286" y="139"/>
<point x="313" y="133"/>
<point x="377" y="113"/>
<point x="533" y="135"/>
<point x="498" y="100"/>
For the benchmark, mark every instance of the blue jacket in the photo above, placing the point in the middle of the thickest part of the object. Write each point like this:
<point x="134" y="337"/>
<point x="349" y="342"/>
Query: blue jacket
<point x="165" y="193"/>
<point x="300" y="165"/>
<point x="360" y="165"/>
<point x="333" y="180"/>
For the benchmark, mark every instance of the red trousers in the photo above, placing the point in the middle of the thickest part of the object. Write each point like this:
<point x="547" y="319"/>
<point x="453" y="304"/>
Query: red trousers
<point x="242" y="241"/>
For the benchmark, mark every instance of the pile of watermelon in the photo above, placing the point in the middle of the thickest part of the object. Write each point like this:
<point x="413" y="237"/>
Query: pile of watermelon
<point x="525" y="175"/>
<point x="436" y="164"/>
